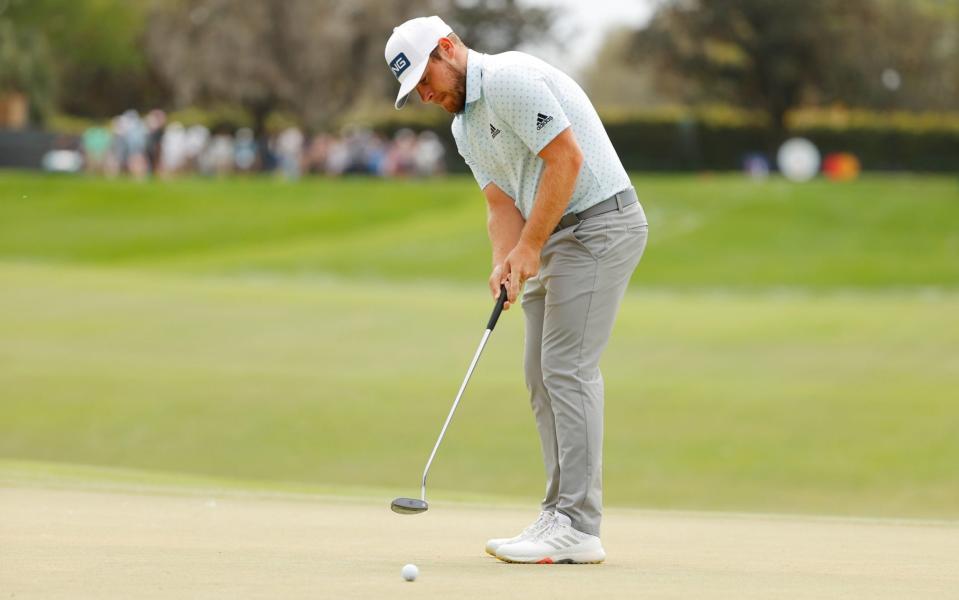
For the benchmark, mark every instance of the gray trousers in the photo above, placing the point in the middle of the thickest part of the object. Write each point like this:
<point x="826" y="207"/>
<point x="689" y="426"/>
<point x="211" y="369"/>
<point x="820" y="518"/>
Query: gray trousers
<point x="570" y="307"/>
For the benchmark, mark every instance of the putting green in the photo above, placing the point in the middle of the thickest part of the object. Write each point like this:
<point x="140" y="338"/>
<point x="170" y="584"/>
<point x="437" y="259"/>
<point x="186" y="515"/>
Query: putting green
<point x="79" y="543"/>
<point x="832" y="403"/>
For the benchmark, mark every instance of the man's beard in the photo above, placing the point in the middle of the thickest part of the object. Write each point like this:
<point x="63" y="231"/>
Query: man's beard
<point x="458" y="93"/>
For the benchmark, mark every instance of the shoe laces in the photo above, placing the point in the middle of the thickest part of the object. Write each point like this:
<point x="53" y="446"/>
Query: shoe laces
<point x="554" y="524"/>
<point x="545" y="518"/>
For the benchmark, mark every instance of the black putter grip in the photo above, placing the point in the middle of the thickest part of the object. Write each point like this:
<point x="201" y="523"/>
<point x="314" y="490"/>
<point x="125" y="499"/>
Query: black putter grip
<point x="498" y="308"/>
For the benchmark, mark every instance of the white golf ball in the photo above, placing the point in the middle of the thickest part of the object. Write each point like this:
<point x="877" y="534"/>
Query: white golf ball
<point x="410" y="572"/>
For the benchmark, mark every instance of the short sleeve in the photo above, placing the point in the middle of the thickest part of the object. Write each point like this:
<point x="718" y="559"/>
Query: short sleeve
<point x="483" y="179"/>
<point x="523" y="100"/>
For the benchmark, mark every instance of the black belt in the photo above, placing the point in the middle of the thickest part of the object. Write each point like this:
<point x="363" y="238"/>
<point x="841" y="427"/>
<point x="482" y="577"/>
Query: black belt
<point x="618" y="202"/>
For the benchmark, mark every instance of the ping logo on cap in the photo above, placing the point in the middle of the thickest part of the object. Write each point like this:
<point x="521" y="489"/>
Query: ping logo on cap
<point x="399" y="64"/>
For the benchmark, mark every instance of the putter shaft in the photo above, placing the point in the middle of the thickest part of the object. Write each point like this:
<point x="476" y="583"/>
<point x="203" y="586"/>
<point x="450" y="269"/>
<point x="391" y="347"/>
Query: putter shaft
<point x="469" y="372"/>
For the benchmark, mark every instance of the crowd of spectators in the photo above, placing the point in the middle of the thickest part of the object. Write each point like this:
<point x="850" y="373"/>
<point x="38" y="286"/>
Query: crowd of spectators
<point x="150" y="146"/>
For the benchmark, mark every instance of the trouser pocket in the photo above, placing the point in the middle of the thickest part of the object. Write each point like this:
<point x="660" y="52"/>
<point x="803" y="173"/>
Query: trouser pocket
<point x="593" y="235"/>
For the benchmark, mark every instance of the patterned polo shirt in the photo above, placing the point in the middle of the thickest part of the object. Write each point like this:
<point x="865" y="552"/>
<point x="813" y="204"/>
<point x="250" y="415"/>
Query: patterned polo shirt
<point x="515" y="105"/>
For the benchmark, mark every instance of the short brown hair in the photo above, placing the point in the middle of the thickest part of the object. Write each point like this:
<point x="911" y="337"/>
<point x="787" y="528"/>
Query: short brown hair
<point x="451" y="37"/>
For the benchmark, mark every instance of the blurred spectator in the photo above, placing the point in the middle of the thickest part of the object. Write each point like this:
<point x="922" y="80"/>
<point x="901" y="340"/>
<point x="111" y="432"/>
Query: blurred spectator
<point x="338" y="159"/>
<point x="429" y="158"/>
<point x="289" y="151"/>
<point x="317" y="154"/>
<point x="140" y="147"/>
<point x="155" y="124"/>
<point x="218" y="157"/>
<point x="196" y="139"/>
<point x="134" y="133"/>
<point x="359" y="146"/>
<point x="244" y="150"/>
<point x="401" y="160"/>
<point x="376" y="152"/>
<point x="173" y="149"/>
<point x="117" y="155"/>
<point x="96" y="145"/>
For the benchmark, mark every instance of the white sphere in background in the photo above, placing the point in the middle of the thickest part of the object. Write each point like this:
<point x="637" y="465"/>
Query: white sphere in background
<point x="891" y="79"/>
<point x="798" y="159"/>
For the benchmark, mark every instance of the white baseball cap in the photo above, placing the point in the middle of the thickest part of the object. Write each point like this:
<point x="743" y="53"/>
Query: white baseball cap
<point x="408" y="51"/>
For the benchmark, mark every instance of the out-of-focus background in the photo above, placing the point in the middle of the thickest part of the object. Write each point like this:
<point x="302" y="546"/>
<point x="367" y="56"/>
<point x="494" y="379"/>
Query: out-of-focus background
<point x="225" y="257"/>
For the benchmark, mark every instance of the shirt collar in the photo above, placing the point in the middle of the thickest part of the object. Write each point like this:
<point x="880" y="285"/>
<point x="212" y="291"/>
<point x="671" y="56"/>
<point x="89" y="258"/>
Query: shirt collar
<point x="474" y="76"/>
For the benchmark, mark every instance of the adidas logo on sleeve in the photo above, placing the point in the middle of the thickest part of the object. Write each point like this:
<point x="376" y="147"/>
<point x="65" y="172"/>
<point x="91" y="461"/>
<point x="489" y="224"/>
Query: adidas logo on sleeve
<point x="493" y="131"/>
<point x="542" y="120"/>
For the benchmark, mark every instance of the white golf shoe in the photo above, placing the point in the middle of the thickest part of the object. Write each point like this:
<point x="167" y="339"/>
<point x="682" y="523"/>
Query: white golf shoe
<point x="544" y="520"/>
<point x="558" y="543"/>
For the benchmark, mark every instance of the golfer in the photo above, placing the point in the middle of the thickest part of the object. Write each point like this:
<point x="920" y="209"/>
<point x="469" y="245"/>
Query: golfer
<point x="563" y="220"/>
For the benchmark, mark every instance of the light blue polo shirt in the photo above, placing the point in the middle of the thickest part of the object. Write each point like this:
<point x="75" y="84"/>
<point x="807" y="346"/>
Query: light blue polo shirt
<point x="515" y="105"/>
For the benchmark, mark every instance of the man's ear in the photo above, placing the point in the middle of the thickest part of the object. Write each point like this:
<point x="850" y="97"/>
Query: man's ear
<point x="447" y="49"/>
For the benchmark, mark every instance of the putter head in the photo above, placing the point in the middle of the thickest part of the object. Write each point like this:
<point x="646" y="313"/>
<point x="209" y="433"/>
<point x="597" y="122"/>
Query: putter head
<point x="409" y="506"/>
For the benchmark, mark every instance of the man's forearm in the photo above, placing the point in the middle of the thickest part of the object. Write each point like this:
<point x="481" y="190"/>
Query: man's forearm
<point x="562" y="160"/>
<point x="556" y="186"/>
<point x="504" y="226"/>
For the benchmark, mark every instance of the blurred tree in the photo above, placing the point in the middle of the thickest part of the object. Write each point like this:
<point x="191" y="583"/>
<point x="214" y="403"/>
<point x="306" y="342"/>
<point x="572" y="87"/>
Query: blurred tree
<point x="616" y="81"/>
<point x="95" y="52"/>
<point x="316" y="58"/>
<point x="494" y="26"/>
<point x="26" y="68"/>
<point x="312" y="57"/>
<point x="772" y="56"/>
<point x="905" y="57"/>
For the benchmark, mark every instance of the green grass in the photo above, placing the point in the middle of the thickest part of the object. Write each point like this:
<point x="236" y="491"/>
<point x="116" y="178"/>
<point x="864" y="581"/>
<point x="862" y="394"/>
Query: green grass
<point x="705" y="232"/>
<point x="315" y="335"/>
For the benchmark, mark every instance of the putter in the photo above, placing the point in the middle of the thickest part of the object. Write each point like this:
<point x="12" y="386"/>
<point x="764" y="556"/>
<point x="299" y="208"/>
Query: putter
<point x="412" y="506"/>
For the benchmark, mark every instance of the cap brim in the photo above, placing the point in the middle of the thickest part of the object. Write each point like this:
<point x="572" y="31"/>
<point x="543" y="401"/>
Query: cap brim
<point x="409" y="84"/>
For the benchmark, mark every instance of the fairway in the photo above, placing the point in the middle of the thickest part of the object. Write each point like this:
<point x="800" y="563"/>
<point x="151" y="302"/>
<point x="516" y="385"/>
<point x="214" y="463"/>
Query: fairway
<point x="706" y="232"/>
<point x="770" y="355"/>
<point x="76" y="543"/>
<point x="762" y="403"/>
<point x="315" y="334"/>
